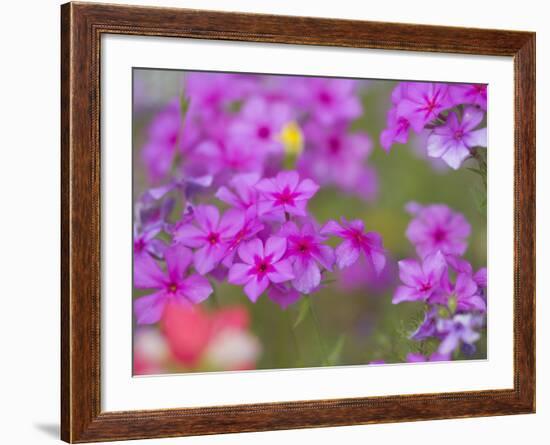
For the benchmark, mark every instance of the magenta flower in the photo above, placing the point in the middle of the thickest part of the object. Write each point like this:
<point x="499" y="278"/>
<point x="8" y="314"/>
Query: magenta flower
<point x="285" y="194"/>
<point x="397" y="130"/>
<point x="163" y="135"/>
<point x="259" y="125"/>
<point x="420" y="281"/>
<point x="307" y="253"/>
<point x="283" y="294"/>
<point x="422" y="102"/>
<point x="471" y="94"/>
<point x="355" y="241"/>
<point x="332" y="100"/>
<point x="171" y="286"/>
<point x="263" y="264"/>
<point x="330" y="146"/>
<point x="242" y="193"/>
<point x="209" y="236"/>
<point x="229" y="156"/>
<point x="466" y="294"/>
<point x="454" y="140"/>
<point x="438" y="228"/>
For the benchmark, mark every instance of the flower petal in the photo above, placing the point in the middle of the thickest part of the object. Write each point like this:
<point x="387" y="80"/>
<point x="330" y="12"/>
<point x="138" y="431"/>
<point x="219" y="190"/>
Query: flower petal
<point x="287" y="178"/>
<point x="255" y="287"/>
<point x="147" y="273"/>
<point x="308" y="275"/>
<point x="196" y="288"/>
<point x="149" y="309"/>
<point x="410" y="272"/>
<point x="306" y="189"/>
<point x="239" y="273"/>
<point x="207" y="217"/>
<point x="251" y="249"/>
<point x="471" y="118"/>
<point x="275" y="247"/>
<point x="346" y="254"/>
<point x="405" y="293"/>
<point x="178" y="258"/>
<point x="189" y="236"/>
<point x="206" y="258"/>
<point x="282" y="272"/>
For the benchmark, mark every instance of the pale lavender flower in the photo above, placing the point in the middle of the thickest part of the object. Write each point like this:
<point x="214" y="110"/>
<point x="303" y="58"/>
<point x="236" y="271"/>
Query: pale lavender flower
<point x="171" y="286"/>
<point x="461" y="329"/>
<point x="414" y="357"/>
<point x="437" y="227"/>
<point x="262" y="265"/>
<point x="453" y="141"/>
<point x="355" y="241"/>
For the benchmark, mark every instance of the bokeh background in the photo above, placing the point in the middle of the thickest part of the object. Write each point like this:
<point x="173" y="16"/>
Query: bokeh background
<point x="357" y="320"/>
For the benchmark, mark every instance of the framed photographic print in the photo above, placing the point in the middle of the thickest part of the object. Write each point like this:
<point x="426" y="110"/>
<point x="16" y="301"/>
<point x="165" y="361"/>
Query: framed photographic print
<point x="275" y="222"/>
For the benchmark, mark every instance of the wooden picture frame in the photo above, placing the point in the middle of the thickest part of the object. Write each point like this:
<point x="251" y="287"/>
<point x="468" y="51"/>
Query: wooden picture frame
<point x="82" y="25"/>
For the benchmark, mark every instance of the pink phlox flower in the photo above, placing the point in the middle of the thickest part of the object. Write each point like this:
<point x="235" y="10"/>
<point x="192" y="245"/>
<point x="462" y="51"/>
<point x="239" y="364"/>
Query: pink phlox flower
<point x="241" y="192"/>
<point x="438" y="227"/>
<point x="263" y="263"/>
<point x="285" y="194"/>
<point x="259" y="125"/>
<point x="171" y="286"/>
<point x="209" y="236"/>
<point x="355" y="241"/>
<point x="421" y="281"/>
<point x="308" y="254"/>
<point x="421" y="103"/>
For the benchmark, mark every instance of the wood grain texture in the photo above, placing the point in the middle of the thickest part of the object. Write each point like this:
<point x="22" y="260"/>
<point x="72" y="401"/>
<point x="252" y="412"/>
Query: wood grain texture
<point x="81" y="28"/>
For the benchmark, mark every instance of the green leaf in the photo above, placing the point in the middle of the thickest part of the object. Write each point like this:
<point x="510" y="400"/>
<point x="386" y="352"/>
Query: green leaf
<point x="334" y="355"/>
<point x="302" y="312"/>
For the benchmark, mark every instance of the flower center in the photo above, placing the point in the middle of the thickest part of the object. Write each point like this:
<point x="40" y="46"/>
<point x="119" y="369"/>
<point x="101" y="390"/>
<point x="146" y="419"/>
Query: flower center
<point x="425" y="287"/>
<point x="459" y="134"/>
<point x="172" y="287"/>
<point x="285" y="197"/>
<point x="264" y="132"/>
<point x="439" y="234"/>
<point x="334" y="145"/>
<point x="139" y="245"/>
<point x="325" y="98"/>
<point x="213" y="238"/>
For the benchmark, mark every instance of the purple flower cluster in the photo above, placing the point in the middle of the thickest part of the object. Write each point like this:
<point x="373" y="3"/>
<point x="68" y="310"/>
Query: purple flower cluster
<point x="235" y="124"/>
<point x="455" y="295"/>
<point x="452" y="115"/>
<point x="264" y="241"/>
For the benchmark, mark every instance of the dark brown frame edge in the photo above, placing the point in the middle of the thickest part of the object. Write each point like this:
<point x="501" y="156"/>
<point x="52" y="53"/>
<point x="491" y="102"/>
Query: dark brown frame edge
<point x="82" y="25"/>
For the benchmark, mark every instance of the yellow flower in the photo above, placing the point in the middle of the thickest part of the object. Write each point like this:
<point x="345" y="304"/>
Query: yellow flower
<point x="292" y="139"/>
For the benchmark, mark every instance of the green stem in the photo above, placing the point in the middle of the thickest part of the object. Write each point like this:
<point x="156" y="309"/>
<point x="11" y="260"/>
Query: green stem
<point x="318" y="332"/>
<point x="294" y="337"/>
